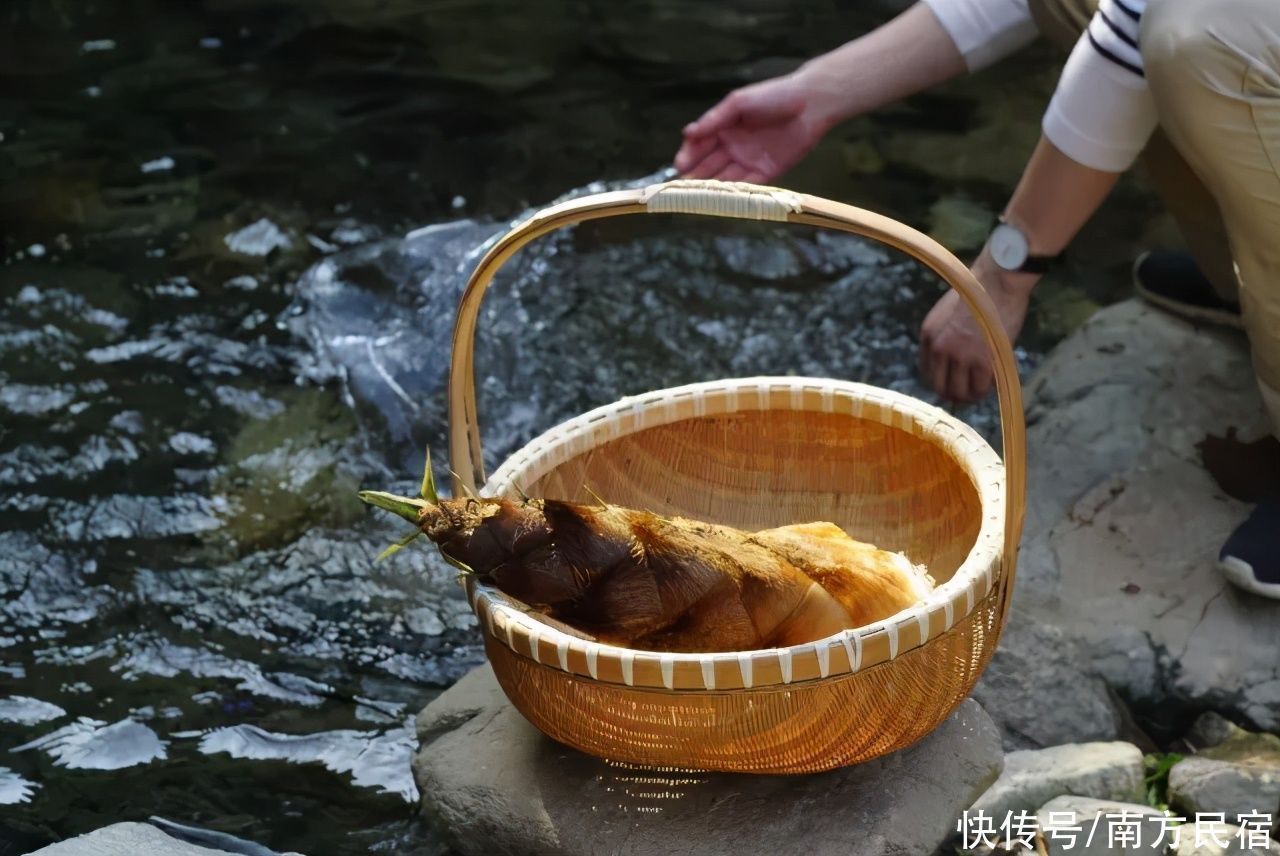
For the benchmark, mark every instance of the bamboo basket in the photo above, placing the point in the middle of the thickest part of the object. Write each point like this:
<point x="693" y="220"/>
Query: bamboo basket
<point x="757" y="453"/>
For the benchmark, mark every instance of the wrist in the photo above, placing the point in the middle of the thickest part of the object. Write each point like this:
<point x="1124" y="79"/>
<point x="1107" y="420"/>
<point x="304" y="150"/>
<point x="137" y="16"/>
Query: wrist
<point x="1037" y="243"/>
<point x="826" y="101"/>
<point x="1011" y="282"/>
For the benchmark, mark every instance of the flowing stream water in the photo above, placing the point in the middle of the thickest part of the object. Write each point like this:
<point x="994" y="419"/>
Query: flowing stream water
<point x="234" y="233"/>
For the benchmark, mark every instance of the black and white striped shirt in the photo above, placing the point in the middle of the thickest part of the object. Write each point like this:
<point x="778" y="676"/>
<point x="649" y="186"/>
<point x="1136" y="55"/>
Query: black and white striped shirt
<point x="1101" y="114"/>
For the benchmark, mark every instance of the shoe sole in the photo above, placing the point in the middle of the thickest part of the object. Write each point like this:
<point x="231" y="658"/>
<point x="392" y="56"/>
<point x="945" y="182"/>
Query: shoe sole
<point x="1240" y="575"/>
<point x="1219" y="317"/>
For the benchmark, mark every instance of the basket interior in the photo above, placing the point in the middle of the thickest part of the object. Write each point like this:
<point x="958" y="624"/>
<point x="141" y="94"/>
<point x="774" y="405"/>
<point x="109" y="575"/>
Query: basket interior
<point x="762" y="468"/>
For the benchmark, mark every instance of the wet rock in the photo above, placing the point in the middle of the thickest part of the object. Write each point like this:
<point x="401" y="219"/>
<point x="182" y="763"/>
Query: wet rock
<point x="1213" y="729"/>
<point x="259" y="238"/>
<point x="1124" y="525"/>
<point x="1060" y="308"/>
<point x="499" y="786"/>
<point x="1040" y="691"/>
<point x="1238" y="775"/>
<point x="137" y="839"/>
<point x="1081" y="826"/>
<point x="290" y="471"/>
<point x="698" y="301"/>
<point x="959" y="223"/>
<point x="1108" y="771"/>
<point x="994" y="147"/>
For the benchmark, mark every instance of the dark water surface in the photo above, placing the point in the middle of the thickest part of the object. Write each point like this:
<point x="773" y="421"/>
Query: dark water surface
<point x="211" y="333"/>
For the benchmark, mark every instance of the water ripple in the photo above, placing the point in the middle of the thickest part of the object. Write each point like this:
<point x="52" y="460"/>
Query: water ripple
<point x="89" y="744"/>
<point x="374" y="759"/>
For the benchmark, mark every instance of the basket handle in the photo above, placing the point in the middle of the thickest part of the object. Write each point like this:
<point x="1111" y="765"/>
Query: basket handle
<point x="752" y="202"/>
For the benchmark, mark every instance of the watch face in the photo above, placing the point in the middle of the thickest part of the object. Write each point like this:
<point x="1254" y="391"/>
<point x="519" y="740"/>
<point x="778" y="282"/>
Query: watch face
<point x="1008" y="247"/>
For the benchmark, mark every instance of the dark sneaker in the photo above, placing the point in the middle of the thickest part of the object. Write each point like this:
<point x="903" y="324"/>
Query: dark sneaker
<point x="1251" y="557"/>
<point x="1173" y="282"/>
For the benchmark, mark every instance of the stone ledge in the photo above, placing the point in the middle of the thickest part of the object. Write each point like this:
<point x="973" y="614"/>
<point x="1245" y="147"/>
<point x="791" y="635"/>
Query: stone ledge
<point x="497" y="785"/>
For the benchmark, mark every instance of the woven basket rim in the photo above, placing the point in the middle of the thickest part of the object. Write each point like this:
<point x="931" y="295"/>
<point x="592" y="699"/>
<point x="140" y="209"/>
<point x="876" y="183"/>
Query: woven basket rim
<point x="842" y="653"/>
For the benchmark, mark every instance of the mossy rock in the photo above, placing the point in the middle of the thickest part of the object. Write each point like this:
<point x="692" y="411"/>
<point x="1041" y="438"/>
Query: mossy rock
<point x="285" y="474"/>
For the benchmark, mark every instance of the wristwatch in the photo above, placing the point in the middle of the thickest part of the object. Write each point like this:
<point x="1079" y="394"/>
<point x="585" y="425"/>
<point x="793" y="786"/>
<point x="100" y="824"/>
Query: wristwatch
<point x="1011" y="250"/>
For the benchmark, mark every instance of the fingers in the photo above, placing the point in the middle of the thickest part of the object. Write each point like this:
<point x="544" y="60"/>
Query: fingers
<point x="721" y="116"/>
<point x="757" y="106"/>
<point x="958" y="382"/>
<point x="939" y="372"/>
<point x="693" y="150"/>
<point x="711" y="165"/>
<point x="981" y="380"/>
<point x="950" y="377"/>
<point x="732" y="172"/>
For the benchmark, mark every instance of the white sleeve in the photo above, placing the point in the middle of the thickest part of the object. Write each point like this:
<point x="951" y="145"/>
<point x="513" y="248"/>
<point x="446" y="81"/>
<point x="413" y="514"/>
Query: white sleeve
<point x="985" y="30"/>
<point x="1102" y="114"/>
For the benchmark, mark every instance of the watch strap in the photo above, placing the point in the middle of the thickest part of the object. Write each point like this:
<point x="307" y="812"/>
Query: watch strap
<point x="1038" y="264"/>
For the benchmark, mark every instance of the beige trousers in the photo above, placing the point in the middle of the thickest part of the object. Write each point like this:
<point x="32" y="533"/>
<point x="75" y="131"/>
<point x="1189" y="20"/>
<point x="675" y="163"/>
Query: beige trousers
<point x="1214" y="71"/>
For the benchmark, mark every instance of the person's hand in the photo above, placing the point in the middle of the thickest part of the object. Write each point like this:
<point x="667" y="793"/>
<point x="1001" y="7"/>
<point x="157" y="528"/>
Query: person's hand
<point x="758" y="132"/>
<point x="954" y="358"/>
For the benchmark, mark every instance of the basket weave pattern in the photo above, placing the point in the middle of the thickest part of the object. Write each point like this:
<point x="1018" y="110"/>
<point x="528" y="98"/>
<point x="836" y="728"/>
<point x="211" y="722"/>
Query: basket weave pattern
<point x="778" y="729"/>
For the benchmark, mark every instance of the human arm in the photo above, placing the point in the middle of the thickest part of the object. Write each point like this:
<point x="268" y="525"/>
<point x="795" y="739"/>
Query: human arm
<point x="1099" y="119"/>
<point x="1054" y="198"/>
<point x="760" y="131"/>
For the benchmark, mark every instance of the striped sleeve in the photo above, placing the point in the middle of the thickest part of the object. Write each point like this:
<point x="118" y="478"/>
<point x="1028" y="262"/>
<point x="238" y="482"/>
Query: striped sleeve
<point x="1101" y="114"/>
<point x="1113" y="33"/>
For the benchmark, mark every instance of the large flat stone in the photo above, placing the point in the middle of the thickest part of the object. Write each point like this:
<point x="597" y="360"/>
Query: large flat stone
<point x="126" y="839"/>
<point x="1124" y="523"/>
<point x="498" y="786"/>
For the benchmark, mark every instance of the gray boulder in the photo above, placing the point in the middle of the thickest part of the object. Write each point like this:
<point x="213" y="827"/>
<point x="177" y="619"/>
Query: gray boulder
<point x="1080" y="826"/>
<point x="498" y="786"/>
<point x="1040" y="690"/>
<point x="1212" y="729"/>
<point x="1110" y="771"/>
<point x="1124" y="523"/>
<point x="1239" y="774"/>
